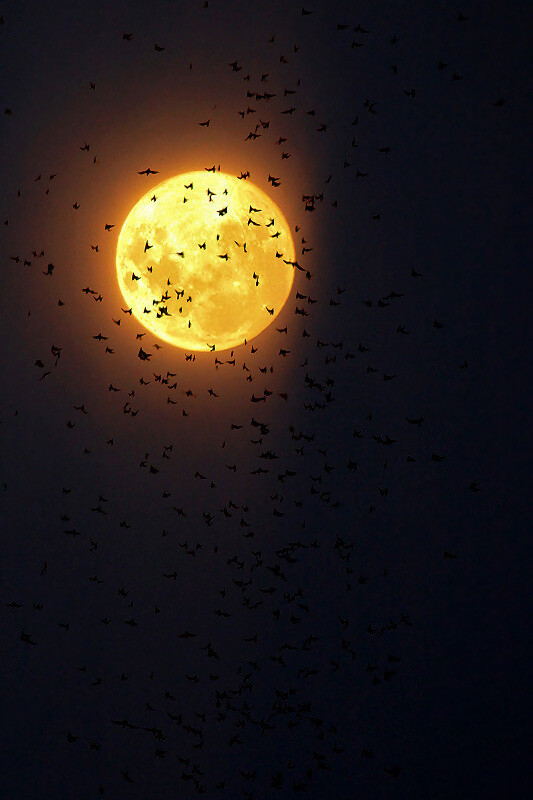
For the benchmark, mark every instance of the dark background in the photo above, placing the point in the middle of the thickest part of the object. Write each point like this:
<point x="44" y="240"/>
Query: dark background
<point x="340" y="716"/>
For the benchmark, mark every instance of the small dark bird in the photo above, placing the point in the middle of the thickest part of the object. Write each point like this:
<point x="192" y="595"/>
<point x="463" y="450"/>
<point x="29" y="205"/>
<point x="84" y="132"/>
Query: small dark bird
<point x="394" y="771"/>
<point x="448" y="554"/>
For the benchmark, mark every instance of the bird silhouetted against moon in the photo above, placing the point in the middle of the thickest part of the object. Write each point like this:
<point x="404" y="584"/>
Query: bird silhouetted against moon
<point x="205" y="260"/>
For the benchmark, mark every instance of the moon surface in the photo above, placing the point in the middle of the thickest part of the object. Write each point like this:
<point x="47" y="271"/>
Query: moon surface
<point x="205" y="260"/>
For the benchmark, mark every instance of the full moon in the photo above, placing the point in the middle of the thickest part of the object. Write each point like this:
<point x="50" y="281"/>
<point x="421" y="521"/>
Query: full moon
<point x="205" y="260"/>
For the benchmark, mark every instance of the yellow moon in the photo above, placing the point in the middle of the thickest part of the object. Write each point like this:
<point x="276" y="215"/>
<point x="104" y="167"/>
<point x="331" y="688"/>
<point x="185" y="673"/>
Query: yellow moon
<point x="205" y="260"/>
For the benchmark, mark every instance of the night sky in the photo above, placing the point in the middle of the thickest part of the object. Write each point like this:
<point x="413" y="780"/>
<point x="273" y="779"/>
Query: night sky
<point x="325" y="591"/>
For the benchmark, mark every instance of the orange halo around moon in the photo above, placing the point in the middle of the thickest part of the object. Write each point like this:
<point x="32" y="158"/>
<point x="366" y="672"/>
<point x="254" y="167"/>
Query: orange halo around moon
<point x="205" y="260"/>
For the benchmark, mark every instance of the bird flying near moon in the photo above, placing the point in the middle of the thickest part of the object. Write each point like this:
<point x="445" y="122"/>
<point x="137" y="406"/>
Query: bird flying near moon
<point x="205" y="260"/>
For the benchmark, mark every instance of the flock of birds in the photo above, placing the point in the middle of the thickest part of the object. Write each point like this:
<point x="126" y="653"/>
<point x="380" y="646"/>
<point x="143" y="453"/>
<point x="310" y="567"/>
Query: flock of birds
<point x="247" y="669"/>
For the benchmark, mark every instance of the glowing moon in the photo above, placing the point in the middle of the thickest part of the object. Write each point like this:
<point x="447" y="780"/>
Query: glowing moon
<point x="205" y="259"/>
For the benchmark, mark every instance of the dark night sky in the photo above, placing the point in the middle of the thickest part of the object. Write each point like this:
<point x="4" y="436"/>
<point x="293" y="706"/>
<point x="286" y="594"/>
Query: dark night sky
<point x="375" y="666"/>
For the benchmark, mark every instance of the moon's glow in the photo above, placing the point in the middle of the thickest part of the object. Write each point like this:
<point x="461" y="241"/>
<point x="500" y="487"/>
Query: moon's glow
<point x="205" y="262"/>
